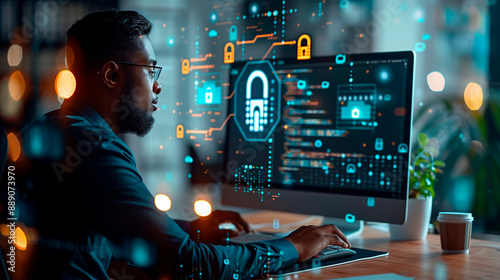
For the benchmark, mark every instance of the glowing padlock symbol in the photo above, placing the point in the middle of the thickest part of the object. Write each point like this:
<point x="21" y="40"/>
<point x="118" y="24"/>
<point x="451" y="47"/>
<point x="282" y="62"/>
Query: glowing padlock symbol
<point x="185" y="66"/>
<point x="229" y="53"/>
<point x="233" y="33"/>
<point x="209" y="96"/>
<point x="340" y="59"/>
<point x="379" y="144"/>
<point x="257" y="108"/>
<point x="355" y="113"/>
<point x="180" y="131"/>
<point x="304" y="50"/>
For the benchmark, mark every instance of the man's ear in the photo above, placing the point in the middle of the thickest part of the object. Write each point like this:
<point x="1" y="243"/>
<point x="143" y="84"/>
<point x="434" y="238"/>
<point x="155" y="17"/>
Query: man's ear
<point x="109" y="74"/>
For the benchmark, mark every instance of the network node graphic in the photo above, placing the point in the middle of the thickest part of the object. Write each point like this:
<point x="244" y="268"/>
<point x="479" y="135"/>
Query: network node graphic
<point x="257" y="100"/>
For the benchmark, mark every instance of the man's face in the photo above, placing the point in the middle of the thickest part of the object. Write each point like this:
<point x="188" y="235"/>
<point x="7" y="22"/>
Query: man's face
<point x="140" y="91"/>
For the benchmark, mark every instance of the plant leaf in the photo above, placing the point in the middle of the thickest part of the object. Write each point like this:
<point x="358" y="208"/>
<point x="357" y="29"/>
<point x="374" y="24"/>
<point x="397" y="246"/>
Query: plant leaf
<point x="439" y="163"/>
<point x="422" y="139"/>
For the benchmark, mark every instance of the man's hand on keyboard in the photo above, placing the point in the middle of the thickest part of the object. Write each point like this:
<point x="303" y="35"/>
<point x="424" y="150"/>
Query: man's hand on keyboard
<point x="209" y="226"/>
<point x="309" y="240"/>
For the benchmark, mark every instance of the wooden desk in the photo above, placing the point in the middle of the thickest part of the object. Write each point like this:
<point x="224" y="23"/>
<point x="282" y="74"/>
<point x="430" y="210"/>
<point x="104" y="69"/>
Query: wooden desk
<point x="420" y="259"/>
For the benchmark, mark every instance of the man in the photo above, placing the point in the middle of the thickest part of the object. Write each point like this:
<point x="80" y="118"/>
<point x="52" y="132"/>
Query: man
<point x="89" y="199"/>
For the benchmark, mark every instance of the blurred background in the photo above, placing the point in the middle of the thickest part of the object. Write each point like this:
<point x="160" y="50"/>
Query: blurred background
<point x="457" y="80"/>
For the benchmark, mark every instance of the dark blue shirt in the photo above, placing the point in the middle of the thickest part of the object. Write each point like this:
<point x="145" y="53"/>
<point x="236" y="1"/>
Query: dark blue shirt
<point x="90" y="204"/>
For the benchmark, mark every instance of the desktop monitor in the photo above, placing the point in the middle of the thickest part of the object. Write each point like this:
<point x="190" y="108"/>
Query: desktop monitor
<point x="325" y="136"/>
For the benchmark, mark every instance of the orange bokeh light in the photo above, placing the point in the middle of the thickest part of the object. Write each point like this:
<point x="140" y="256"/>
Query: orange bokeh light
<point x="65" y="84"/>
<point x="21" y="240"/>
<point x="14" y="146"/>
<point x="202" y="208"/>
<point x="17" y="85"/>
<point x="163" y="202"/>
<point x="473" y="96"/>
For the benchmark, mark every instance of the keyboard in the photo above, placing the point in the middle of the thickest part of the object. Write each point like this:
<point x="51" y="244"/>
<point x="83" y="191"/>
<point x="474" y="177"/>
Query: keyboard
<point x="330" y="252"/>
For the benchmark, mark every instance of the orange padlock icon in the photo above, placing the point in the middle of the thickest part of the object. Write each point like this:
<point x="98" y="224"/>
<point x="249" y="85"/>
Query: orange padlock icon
<point x="180" y="131"/>
<point x="229" y="53"/>
<point x="185" y="66"/>
<point x="304" y="51"/>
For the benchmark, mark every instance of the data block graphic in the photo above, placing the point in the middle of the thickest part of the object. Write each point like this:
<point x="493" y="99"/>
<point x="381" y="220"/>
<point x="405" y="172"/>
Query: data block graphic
<point x="356" y="106"/>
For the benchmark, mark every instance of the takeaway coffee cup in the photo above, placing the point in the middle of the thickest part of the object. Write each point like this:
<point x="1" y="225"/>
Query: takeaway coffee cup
<point x="455" y="231"/>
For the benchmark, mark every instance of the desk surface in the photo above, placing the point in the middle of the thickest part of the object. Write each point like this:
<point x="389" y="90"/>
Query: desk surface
<point x="420" y="259"/>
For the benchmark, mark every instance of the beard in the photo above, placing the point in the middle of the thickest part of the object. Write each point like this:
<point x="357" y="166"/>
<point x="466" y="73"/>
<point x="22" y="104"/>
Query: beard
<point x="137" y="121"/>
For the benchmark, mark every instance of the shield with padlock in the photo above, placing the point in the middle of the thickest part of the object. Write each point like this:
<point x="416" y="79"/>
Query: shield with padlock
<point x="257" y="100"/>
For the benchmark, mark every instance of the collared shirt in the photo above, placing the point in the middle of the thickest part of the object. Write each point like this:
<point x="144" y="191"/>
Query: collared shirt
<point x="90" y="204"/>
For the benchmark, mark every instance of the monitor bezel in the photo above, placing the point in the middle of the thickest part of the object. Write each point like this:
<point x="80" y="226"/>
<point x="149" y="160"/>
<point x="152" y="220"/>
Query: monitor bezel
<point x="350" y="207"/>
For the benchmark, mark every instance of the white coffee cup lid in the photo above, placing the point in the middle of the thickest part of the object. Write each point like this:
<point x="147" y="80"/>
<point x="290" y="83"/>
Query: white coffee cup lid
<point x="454" y="216"/>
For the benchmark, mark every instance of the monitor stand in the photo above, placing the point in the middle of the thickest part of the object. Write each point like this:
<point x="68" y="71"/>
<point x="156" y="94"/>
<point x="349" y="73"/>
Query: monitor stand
<point x="349" y="229"/>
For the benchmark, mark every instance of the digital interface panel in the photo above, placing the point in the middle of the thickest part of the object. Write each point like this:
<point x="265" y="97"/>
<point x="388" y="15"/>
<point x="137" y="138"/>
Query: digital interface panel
<point x="333" y="124"/>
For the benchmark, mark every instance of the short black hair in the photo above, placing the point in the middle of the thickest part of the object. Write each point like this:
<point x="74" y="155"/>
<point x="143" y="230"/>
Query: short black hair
<point x="108" y="35"/>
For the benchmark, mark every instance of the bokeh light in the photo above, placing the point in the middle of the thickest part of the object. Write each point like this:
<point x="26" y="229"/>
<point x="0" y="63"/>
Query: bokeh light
<point x="436" y="81"/>
<point x="477" y="146"/>
<point x="473" y="96"/>
<point x="141" y="253"/>
<point x="17" y="85"/>
<point x="254" y="8"/>
<point x="202" y="208"/>
<point x="14" y="55"/>
<point x="21" y="240"/>
<point x="475" y="18"/>
<point x="4" y="230"/>
<point x="65" y="84"/>
<point x="9" y="107"/>
<point x="163" y="202"/>
<point x="14" y="146"/>
<point x="213" y="17"/>
<point x="170" y="41"/>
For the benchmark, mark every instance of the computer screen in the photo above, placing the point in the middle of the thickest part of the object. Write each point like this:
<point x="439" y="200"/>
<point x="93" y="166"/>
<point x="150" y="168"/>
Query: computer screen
<point x="326" y="136"/>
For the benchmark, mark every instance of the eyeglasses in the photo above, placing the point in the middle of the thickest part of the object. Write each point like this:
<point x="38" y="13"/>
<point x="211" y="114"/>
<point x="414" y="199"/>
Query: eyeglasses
<point x="155" y="71"/>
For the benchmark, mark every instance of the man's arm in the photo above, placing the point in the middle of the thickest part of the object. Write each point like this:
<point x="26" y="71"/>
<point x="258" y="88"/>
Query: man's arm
<point x="119" y="206"/>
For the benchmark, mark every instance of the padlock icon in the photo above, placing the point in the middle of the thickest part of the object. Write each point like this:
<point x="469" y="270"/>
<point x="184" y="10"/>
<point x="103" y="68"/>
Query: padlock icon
<point x="209" y="95"/>
<point x="351" y="168"/>
<point x="229" y="53"/>
<point x="379" y="144"/>
<point x="355" y="113"/>
<point x="233" y="33"/>
<point x="257" y="109"/>
<point x="180" y="131"/>
<point x="340" y="58"/>
<point x="402" y="148"/>
<point x="185" y="66"/>
<point x="304" y="47"/>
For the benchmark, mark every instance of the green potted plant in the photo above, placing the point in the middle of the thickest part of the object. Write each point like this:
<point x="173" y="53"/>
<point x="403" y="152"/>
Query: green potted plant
<point x="423" y="169"/>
